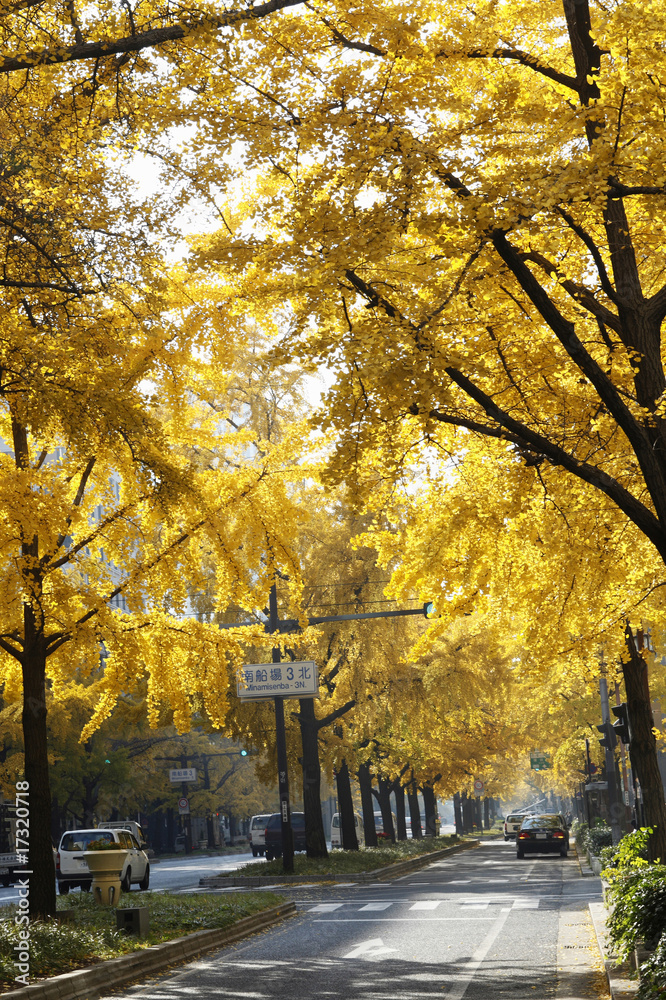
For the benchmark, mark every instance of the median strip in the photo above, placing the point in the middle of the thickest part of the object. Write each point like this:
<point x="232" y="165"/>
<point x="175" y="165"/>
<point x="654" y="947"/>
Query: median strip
<point x="393" y="870"/>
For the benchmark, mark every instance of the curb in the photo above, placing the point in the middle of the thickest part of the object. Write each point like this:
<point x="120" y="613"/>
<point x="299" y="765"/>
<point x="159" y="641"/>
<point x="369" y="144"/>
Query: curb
<point x="585" y="869"/>
<point x="620" y="985"/>
<point x="87" y="983"/>
<point x="389" y="871"/>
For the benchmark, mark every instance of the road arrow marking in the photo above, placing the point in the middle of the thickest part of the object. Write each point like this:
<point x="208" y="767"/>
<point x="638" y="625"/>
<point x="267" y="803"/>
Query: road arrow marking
<point x="370" y="949"/>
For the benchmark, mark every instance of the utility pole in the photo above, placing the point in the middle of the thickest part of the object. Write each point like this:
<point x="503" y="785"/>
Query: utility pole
<point x="586" y="794"/>
<point x="275" y="625"/>
<point x="281" y="746"/>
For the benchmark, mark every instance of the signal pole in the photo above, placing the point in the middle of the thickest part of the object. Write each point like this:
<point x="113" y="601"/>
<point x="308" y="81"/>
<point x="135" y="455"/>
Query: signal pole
<point x="609" y="762"/>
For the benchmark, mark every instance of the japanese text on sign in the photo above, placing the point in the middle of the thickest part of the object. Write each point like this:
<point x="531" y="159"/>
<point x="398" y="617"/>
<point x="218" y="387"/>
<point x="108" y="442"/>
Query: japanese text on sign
<point x="278" y="680"/>
<point x="183" y="774"/>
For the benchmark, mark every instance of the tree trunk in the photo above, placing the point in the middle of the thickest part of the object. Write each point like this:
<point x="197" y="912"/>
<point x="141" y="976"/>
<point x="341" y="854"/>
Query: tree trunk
<point x="210" y="832"/>
<point x="170" y="832"/>
<point x="414" y="811"/>
<point x="643" y="746"/>
<point x="385" y="806"/>
<point x="37" y="797"/>
<point x="315" y="837"/>
<point x="365" y="783"/>
<point x="346" y="804"/>
<point x="468" y="822"/>
<point x="430" y="806"/>
<point x="401" y="823"/>
<point x="89" y="803"/>
<point x="458" y="815"/>
<point x="486" y="814"/>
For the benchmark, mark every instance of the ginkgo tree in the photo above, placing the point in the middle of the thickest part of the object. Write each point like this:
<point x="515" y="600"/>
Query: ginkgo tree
<point x="110" y="515"/>
<point x="463" y="205"/>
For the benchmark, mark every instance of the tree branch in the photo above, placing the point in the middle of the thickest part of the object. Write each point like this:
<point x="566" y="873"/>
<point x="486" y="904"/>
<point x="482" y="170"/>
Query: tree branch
<point x="332" y="716"/>
<point x="520" y="434"/>
<point x="517" y="55"/>
<point x="60" y="54"/>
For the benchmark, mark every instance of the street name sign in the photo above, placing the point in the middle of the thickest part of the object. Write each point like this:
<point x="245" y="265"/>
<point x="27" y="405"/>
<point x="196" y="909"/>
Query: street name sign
<point x="182" y="774"/>
<point x="261" y="681"/>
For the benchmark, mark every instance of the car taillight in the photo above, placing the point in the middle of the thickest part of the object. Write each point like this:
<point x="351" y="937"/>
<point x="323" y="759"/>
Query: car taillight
<point x="57" y="861"/>
<point x="558" y="834"/>
<point x="523" y="836"/>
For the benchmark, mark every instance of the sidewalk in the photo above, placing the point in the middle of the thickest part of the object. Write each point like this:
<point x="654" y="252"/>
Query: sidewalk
<point x="620" y="985"/>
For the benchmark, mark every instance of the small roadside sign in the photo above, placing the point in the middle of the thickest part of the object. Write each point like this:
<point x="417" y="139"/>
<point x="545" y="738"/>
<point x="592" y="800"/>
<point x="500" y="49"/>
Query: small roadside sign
<point x="478" y="786"/>
<point x="183" y="806"/>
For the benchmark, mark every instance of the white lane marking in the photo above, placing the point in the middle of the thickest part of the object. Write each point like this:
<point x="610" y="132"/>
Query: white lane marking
<point x="375" y="906"/>
<point x="526" y="904"/>
<point x="397" y="920"/>
<point x="426" y="904"/>
<point x="459" y="881"/>
<point x="373" y="948"/>
<point x="325" y="908"/>
<point x="460" y="988"/>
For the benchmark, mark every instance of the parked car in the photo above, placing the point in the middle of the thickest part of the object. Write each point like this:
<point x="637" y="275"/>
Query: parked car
<point x="258" y="833"/>
<point x="125" y="824"/>
<point x="512" y="825"/>
<point x="336" y="830"/>
<point x="72" y="868"/>
<point x="541" y="834"/>
<point x="273" y="834"/>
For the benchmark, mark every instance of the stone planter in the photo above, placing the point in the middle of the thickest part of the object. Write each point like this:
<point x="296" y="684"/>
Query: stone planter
<point x="640" y="955"/>
<point x="105" y="868"/>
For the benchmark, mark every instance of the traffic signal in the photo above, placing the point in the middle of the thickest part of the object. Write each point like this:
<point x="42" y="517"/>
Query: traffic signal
<point x="621" y="727"/>
<point x="243" y="753"/>
<point x="610" y="739"/>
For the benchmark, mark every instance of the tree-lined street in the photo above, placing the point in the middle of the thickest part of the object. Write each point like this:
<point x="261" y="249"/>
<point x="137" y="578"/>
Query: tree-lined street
<point x="478" y="924"/>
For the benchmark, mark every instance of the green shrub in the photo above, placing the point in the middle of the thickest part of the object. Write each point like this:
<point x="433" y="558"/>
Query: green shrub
<point x="598" y="838"/>
<point x="630" y="853"/>
<point x="653" y="974"/>
<point x="579" y="831"/>
<point x="638" y="897"/>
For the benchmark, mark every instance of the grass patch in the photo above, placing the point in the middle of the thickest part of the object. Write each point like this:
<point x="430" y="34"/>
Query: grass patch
<point x="342" y="862"/>
<point x="56" y="948"/>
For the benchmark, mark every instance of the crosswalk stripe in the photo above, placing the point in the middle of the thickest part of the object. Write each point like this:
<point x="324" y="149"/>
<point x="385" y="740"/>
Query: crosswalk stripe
<point x="426" y="904"/>
<point x="325" y="907"/>
<point x="376" y="906"/>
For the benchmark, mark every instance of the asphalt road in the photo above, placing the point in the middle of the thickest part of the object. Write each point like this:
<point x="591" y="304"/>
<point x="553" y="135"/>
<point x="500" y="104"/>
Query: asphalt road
<point x="479" y="925"/>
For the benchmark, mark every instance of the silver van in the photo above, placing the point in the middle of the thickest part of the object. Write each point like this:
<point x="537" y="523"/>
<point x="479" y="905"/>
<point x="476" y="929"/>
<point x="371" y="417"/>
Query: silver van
<point x="336" y="831"/>
<point x="257" y="833"/>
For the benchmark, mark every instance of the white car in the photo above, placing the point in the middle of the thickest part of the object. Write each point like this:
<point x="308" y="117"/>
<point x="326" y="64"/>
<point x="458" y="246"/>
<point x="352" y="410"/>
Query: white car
<point x="125" y="824"/>
<point x="258" y="833"/>
<point x="336" y="830"/>
<point x="72" y="868"/>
